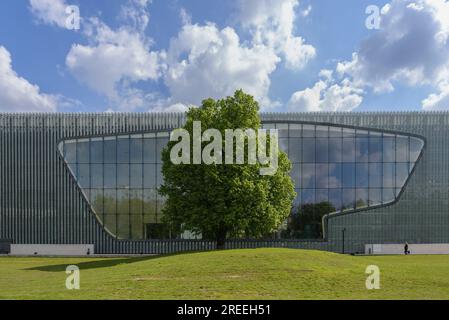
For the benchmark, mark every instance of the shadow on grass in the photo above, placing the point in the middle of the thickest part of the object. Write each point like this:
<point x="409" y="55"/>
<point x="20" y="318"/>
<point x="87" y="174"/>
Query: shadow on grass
<point x="104" y="263"/>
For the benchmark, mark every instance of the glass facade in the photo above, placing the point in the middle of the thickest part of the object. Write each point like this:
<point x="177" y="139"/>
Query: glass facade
<point x="337" y="169"/>
<point x="119" y="175"/>
<point x="344" y="168"/>
<point x="347" y="167"/>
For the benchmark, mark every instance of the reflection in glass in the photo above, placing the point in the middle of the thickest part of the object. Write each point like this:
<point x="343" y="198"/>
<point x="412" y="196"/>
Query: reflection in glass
<point x="322" y="150"/>
<point x="96" y="150"/>
<point x="308" y="150"/>
<point x="110" y="150"/>
<point x="333" y="168"/>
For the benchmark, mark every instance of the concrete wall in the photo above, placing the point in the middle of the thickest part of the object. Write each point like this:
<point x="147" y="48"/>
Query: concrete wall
<point x="52" y="249"/>
<point x="429" y="248"/>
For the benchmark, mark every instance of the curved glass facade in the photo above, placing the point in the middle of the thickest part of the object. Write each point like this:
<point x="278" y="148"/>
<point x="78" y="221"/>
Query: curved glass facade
<point x="335" y="169"/>
<point x="119" y="175"/>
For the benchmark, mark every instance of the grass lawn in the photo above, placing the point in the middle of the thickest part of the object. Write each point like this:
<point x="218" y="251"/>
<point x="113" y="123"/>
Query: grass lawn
<point x="233" y="274"/>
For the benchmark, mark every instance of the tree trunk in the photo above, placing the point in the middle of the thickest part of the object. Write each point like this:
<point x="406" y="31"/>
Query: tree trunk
<point x="221" y="238"/>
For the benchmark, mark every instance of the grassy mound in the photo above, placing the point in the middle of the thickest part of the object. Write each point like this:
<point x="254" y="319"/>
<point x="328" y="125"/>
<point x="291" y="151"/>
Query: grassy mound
<point x="233" y="274"/>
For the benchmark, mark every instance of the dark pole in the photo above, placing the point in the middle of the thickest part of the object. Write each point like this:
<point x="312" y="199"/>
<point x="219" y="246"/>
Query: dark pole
<point x="343" y="240"/>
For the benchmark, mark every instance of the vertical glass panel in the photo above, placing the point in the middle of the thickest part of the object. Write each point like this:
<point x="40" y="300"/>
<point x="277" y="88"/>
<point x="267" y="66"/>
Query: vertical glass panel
<point x="387" y="195"/>
<point x="401" y="174"/>
<point x="110" y="201"/>
<point x="375" y="149"/>
<point x="375" y="175"/>
<point x="83" y="151"/>
<point x="97" y="176"/>
<point x="322" y="195"/>
<point x="416" y="145"/>
<point x="295" y="174"/>
<point x="123" y="149"/>
<point x="308" y="175"/>
<point x="136" y="149"/>
<point x="123" y="227"/>
<point x="283" y="144"/>
<point x="149" y="150"/>
<point x="361" y="198"/>
<point x="294" y="152"/>
<point x="362" y="133"/>
<point x="389" y="149"/>
<point x="348" y="154"/>
<point x="361" y="175"/>
<point x="282" y="130"/>
<point x="149" y="206"/>
<point x="402" y="151"/>
<point x="389" y="175"/>
<point x="123" y="202"/>
<point x="136" y="201"/>
<point x="110" y="223"/>
<point x="136" y="222"/>
<point x="136" y="176"/>
<point x="308" y="196"/>
<point x="335" y="132"/>
<point x="96" y="150"/>
<point x="322" y="150"/>
<point x="322" y="131"/>
<point x="161" y="144"/>
<point x="348" y="199"/>
<point x="348" y="175"/>
<point x="375" y="197"/>
<point x="123" y="175"/>
<point x="308" y="130"/>
<point x="308" y="150"/>
<point x="70" y="151"/>
<point x="335" y="148"/>
<point x="335" y="198"/>
<point x="348" y="133"/>
<point x="149" y="174"/>
<point x="96" y="200"/>
<point x="362" y="147"/>
<point x="335" y="175"/>
<point x="110" y="174"/>
<point x="322" y="175"/>
<point x="84" y="176"/>
<point x="110" y="150"/>
<point x="295" y="130"/>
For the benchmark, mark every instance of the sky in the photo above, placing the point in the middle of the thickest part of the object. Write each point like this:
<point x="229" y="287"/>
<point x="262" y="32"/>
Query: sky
<point x="168" y="55"/>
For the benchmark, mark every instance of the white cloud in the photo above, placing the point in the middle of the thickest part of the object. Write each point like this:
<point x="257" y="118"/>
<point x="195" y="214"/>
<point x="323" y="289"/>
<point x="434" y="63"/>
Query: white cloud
<point x="327" y="95"/>
<point x="19" y="95"/>
<point x="411" y="47"/>
<point x="115" y="58"/>
<point x="204" y="61"/>
<point x="114" y="61"/>
<point x="52" y="12"/>
<point x="135" y="14"/>
<point x="271" y="23"/>
<point x="306" y="11"/>
<point x="438" y="101"/>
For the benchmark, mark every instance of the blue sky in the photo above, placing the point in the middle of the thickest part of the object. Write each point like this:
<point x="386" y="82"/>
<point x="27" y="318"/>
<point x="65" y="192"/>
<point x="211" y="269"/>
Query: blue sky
<point x="292" y="55"/>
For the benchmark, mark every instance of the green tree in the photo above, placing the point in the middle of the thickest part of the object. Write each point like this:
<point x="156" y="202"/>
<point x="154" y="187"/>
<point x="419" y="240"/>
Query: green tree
<point x="226" y="200"/>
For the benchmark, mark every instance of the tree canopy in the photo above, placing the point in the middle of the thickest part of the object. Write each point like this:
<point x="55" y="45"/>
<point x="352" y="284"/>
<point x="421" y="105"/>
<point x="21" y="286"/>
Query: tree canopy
<point x="220" y="201"/>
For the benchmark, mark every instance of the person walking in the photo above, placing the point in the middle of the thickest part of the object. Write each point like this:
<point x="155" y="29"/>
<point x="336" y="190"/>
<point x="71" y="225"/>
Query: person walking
<point x="406" y="251"/>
